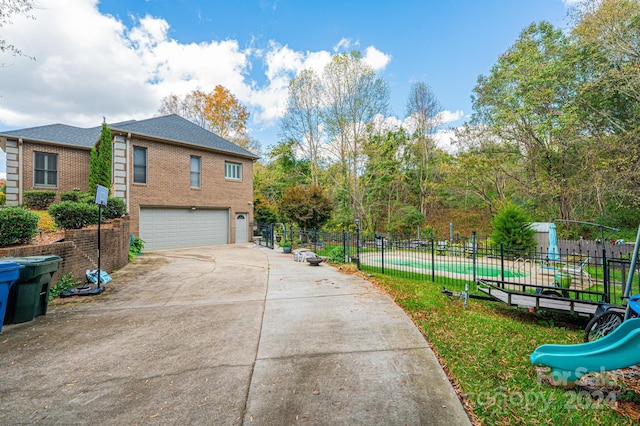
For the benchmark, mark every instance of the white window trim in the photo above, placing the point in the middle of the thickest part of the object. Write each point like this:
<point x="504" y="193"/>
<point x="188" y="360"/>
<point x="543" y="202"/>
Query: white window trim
<point x="192" y="172"/>
<point x="236" y="166"/>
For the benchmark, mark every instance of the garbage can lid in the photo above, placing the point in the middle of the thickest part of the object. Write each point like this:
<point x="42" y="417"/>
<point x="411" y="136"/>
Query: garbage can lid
<point x="33" y="260"/>
<point x="6" y="266"/>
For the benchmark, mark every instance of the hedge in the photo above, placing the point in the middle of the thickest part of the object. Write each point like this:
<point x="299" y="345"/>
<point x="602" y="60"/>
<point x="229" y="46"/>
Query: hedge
<point x="73" y="215"/>
<point x="17" y="226"/>
<point x="38" y="199"/>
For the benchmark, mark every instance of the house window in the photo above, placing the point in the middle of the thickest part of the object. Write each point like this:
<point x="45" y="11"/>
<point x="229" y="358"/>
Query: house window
<point x="45" y="169"/>
<point x="139" y="164"/>
<point x="233" y="171"/>
<point x="195" y="171"/>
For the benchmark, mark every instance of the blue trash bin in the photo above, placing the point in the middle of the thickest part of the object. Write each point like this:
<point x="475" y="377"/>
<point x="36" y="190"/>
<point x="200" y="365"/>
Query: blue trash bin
<point x="9" y="274"/>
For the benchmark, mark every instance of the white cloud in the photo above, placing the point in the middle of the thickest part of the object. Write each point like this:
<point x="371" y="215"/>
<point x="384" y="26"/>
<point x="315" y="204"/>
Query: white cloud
<point x="445" y="117"/>
<point x="89" y="66"/>
<point x="444" y="140"/>
<point x="382" y="124"/>
<point x="375" y="58"/>
<point x="343" y="44"/>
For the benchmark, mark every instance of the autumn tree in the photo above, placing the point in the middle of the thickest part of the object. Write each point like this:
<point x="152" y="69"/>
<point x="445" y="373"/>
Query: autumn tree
<point x="100" y="161"/>
<point x="225" y="115"/>
<point x="218" y="111"/>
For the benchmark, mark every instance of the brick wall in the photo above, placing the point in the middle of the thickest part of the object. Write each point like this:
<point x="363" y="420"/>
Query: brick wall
<point x="73" y="167"/>
<point x="79" y="250"/>
<point x="168" y="182"/>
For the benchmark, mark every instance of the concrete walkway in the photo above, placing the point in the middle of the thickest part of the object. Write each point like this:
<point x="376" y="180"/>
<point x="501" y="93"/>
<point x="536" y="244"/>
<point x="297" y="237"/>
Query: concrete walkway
<point x="224" y="335"/>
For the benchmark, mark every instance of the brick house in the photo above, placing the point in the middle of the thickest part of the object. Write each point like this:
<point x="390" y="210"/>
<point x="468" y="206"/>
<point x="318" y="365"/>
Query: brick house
<point x="183" y="185"/>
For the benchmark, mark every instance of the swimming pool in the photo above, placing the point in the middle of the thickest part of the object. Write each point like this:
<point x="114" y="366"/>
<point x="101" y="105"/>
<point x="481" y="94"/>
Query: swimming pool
<point x="482" y="270"/>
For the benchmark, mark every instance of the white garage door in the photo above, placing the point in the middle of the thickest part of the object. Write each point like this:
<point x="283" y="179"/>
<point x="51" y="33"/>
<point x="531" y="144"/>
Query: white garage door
<point x="172" y="228"/>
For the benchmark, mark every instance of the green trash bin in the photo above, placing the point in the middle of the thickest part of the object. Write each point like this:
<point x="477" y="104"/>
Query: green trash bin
<point x="29" y="296"/>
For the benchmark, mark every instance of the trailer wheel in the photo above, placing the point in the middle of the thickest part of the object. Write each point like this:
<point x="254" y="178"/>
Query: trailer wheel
<point x="602" y="324"/>
<point x="552" y="293"/>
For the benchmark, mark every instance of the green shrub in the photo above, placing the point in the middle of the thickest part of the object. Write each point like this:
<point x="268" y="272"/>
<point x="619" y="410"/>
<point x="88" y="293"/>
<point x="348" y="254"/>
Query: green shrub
<point x="76" y="196"/>
<point x="71" y="215"/>
<point x="512" y="227"/>
<point x="3" y="199"/>
<point x="115" y="208"/>
<point x="336" y="255"/>
<point x="38" y="199"/>
<point x="66" y="282"/>
<point x="135" y="248"/>
<point x="17" y="226"/>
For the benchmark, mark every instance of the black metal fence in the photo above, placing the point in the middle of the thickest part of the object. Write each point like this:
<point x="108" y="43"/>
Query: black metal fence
<point x="593" y="271"/>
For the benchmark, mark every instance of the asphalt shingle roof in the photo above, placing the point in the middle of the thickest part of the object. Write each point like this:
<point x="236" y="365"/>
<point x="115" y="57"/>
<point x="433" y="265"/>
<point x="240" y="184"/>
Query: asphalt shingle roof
<point x="169" y="127"/>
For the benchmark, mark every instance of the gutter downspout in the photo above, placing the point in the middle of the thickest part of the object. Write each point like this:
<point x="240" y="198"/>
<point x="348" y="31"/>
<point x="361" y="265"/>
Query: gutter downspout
<point x="129" y="171"/>
<point x="20" y="170"/>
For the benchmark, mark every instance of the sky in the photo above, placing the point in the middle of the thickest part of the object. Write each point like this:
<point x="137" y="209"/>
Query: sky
<point x="87" y="59"/>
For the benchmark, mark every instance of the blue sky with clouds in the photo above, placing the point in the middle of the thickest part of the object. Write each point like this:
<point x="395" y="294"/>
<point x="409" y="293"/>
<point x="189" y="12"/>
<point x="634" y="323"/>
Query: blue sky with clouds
<point x="118" y="59"/>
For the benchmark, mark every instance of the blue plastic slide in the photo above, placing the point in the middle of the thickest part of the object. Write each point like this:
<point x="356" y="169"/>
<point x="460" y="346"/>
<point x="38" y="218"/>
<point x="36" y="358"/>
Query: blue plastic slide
<point x="618" y="349"/>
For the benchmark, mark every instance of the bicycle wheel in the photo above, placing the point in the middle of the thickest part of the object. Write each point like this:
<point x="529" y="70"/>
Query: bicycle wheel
<point x="602" y="324"/>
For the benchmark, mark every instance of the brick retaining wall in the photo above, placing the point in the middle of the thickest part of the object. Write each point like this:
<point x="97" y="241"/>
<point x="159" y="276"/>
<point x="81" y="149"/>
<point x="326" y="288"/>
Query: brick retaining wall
<point x="79" y="250"/>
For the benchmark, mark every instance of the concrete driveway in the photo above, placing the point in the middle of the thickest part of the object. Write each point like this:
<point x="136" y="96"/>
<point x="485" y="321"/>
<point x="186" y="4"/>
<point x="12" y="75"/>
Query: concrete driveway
<point x="224" y="335"/>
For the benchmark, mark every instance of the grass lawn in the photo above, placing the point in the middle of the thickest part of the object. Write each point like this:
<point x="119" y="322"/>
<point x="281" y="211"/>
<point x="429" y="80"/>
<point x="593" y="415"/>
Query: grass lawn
<point x="485" y="350"/>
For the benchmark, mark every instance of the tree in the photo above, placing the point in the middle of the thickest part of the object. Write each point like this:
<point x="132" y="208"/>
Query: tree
<point x="282" y="171"/>
<point x="383" y="184"/>
<point x="529" y="100"/>
<point x="9" y="9"/>
<point x="303" y="118"/>
<point x="225" y="115"/>
<point x="100" y="161"/>
<point x="219" y="112"/>
<point x="263" y="211"/>
<point x="423" y="111"/>
<point x="512" y="228"/>
<point x="485" y="173"/>
<point x="309" y="207"/>
<point x="353" y="96"/>
<point x="608" y="35"/>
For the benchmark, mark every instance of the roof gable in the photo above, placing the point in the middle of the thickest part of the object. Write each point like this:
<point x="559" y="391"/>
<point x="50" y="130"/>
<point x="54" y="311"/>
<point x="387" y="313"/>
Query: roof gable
<point x="178" y="129"/>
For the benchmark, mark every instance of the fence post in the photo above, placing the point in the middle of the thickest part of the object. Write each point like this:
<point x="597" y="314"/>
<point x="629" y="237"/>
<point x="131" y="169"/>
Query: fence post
<point x="473" y="254"/>
<point x="433" y="260"/>
<point x="315" y="240"/>
<point x="502" y="263"/>
<point x="382" y="255"/>
<point x="358" y="244"/>
<point x="271" y="236"/>
<point x="346" y="246"/>
<point x="605" y="271"/>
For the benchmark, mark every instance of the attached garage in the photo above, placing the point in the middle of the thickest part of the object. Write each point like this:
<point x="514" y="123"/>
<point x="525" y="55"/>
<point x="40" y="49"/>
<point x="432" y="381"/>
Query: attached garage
<point x="162" y="228"/>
